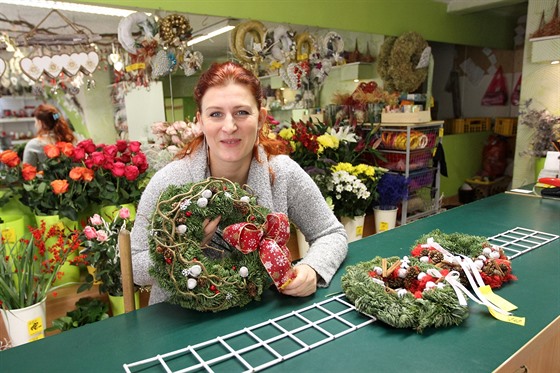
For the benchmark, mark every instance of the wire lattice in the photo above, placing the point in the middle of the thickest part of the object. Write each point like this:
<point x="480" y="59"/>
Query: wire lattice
<point x="260" y="346"/>
<point x="266" y="344"/>
<point x="518" y="241"/>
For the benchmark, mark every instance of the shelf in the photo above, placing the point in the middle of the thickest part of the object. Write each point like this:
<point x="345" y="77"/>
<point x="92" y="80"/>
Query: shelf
<point x="17" y="120"/>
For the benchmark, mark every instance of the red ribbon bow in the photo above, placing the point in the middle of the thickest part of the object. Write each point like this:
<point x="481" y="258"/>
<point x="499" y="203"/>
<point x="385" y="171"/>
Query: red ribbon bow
<point x="270" y="240"/>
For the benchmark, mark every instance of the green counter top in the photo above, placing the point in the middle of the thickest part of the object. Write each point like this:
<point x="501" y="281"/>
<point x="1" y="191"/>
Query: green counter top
<point x="480" y="344"/>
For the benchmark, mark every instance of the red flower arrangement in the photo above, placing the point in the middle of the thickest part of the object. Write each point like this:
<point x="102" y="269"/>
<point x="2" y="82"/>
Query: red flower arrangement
<point x="30" y="266"/>
<point x="119" y="170"/>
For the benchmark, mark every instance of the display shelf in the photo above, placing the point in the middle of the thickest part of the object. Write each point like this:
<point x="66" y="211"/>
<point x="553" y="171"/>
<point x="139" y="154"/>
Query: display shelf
<point x="17" y="121"/>
<point x="408" y="149"/>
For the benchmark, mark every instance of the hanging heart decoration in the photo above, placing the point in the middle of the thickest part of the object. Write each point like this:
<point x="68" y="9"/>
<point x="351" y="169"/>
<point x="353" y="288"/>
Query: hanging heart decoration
<point x="53" y="69"/>
<point x="30" y="68"/>
<point x="91" y="63"/>
<point x="2" y="66"/>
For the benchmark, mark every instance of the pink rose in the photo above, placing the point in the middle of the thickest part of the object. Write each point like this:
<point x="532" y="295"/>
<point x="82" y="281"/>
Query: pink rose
<point x="90" y="232"/>
<point x="121" y="145"/>
<point x="118" y="169"/>
<point x="124" y="213"/>
<point x="131" y="173"/>
<point x="102" y="236"/>
<point x="134" y="146"/>
<point x="96" y="220"/>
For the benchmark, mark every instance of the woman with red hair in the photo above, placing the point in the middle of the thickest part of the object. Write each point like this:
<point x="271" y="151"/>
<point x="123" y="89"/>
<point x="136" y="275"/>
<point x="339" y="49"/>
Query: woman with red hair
<point x="51" y="128"/>
<point x="234" y="144"/>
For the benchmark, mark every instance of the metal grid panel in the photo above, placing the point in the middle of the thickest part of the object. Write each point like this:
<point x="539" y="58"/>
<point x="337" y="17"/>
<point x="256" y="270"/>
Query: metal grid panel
<point x="263" y="345"/>
<point x="519" y="241"/>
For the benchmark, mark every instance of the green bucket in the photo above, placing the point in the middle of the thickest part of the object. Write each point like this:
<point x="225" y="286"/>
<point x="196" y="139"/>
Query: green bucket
<point x="12" y="228"/>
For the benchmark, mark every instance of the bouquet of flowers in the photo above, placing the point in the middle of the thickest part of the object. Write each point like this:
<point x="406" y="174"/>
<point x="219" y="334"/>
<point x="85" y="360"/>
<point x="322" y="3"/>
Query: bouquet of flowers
<point x="352" y="189"/>
<point x="174" y="136"/>
<point x="29" y="266"/>
<point x="100" y="239"/>
<point x="119" y="170"/>
<point x="392" y="189"/>
<point x="60" y="185"/>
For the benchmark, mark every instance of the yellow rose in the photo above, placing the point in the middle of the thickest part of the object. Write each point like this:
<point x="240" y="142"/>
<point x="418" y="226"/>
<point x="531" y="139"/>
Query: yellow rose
<point x="287" y="133"/>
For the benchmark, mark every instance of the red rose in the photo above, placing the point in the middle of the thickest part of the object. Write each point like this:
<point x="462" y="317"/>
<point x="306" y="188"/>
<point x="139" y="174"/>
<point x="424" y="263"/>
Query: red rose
<point x="134" y="146"/>
<point x="28" y="172"/>
<point x="131" y="173"/>
<point x="9" y="158"/>
<point x="140" y="161"/>
<point x="98" y="158"/>
<point x="111" y="150"/>
<point x="88" y="146"/>
<point x="121" y="145"/>
<point x="79" y="154"/>
<point x="118" y="169"/>
<point x="124" y="158"/>
<point x="59" y="186"/>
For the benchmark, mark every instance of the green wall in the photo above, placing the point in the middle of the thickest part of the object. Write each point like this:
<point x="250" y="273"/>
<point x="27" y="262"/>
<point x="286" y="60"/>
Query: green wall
<point x="385" y="17"/>
<point x="463" y="156"/>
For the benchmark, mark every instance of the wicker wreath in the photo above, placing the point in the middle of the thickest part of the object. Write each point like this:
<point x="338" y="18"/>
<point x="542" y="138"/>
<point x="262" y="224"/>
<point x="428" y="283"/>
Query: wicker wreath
<point x="403" y="60"/>
<point x="383" y="63"/>
<point x="493" y="265"/>
<point x="174" y="29"/>
<point x="403" y="293"/>
<point x="223" y="273"/>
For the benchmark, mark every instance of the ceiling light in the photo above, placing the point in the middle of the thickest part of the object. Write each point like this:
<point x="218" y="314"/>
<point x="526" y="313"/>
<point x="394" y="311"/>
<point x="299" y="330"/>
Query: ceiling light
<point x="555" y="62"/>
<point x="213" y="30"/>
<point x="71" y="7"/>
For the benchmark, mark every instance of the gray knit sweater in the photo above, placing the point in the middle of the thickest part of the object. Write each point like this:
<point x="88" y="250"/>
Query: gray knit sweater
<point x="293" y="192"/>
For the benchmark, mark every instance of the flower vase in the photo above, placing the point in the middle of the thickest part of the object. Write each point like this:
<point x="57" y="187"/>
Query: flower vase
<point x="110" y="212"/>
<point x="385" y="218"/>
<point x="12" y="228"/>
<point x="539" y="165"/>
<point x="116" y="302"/>
<point x="26" y="324"/>
<point x="71" y="273"/>
<point x="354" y="227"/>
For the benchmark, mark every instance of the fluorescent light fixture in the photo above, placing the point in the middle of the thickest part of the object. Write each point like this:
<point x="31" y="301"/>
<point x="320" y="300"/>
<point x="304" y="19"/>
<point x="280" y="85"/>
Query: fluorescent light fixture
<point x="71" y="7"/>
<point x="213" y="30"/>
<point x="555" y="62"/>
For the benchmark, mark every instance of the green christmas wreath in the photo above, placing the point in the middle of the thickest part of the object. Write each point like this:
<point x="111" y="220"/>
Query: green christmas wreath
<point x="221" y="274"/>
<point x="404" y="293"/>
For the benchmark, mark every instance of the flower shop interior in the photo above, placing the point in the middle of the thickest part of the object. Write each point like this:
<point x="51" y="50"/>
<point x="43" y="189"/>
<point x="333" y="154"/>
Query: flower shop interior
<point x="478" y="68"/>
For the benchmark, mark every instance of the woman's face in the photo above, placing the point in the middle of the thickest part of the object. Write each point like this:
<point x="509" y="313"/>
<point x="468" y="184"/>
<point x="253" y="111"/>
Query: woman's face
<point x="230" y="122"/>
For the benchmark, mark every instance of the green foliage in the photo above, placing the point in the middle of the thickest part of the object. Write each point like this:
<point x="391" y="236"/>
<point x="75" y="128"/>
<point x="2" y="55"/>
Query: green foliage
<point x="458" y="243"/>
<point x="88" y="310"/>
<point x="438" y="307"/>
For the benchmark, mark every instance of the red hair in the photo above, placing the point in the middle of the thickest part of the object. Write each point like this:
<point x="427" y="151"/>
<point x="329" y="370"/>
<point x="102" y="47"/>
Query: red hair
<point x="53" y="122"/>
<point x="220" y="75"/>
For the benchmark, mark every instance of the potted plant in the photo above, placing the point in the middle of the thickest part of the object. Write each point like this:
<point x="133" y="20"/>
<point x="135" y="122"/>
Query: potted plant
<point x="88" y="310"/>
<point x="28" y="270"/>
<point x="546" y="129"/>
<point x="351" y="190"/>
<point x="392" y="190"/>
<point x="101" y="251"/>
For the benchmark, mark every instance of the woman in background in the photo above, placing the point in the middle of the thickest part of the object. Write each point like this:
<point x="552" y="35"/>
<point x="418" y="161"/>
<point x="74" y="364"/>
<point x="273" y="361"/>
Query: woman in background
<point x="51" y="128"/>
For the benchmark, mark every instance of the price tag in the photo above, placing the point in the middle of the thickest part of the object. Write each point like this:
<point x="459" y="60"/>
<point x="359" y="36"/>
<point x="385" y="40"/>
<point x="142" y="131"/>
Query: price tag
<point x="9" y="235"/>
<point x="517" y="320"/>
<point x="441" y="131"/>
<point x="383" y="226"/>
<point x="35" y="326"/>
<point x="359" y="230"/>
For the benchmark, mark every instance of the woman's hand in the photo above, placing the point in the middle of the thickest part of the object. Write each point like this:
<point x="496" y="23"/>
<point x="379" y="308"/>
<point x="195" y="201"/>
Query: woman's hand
<point x="304" y="284"/>
<point x="209" y="227"/>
